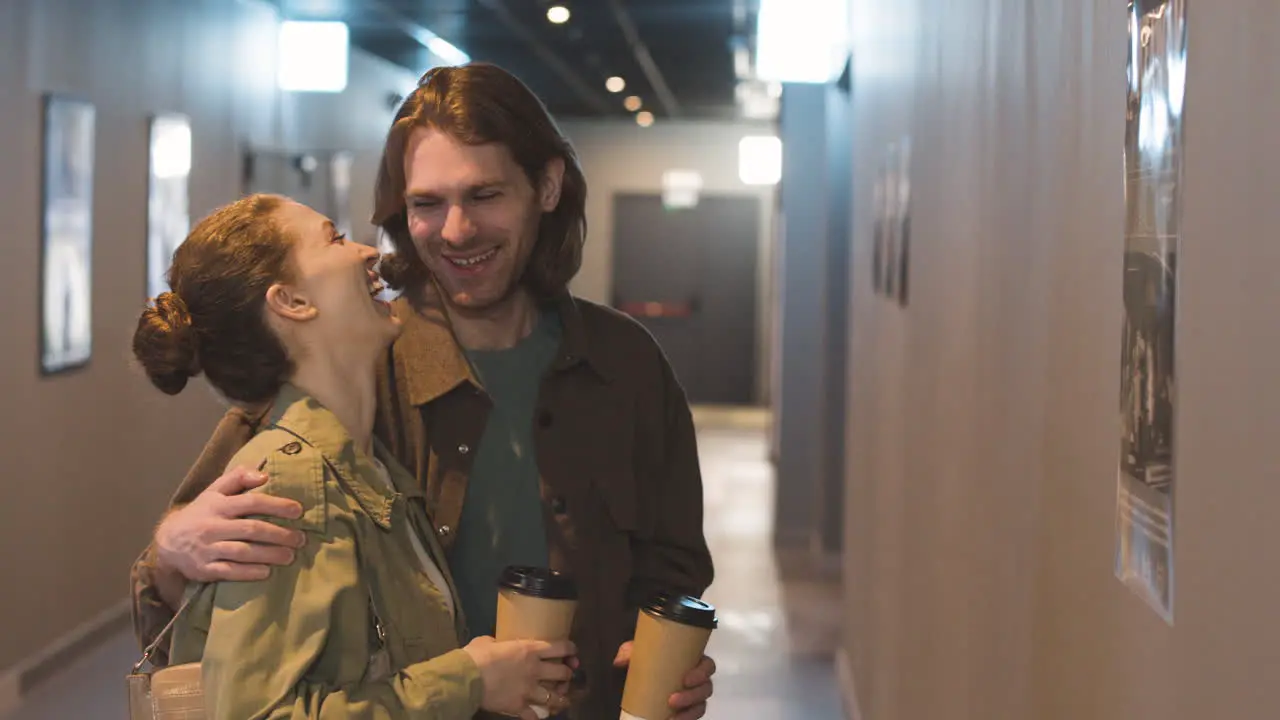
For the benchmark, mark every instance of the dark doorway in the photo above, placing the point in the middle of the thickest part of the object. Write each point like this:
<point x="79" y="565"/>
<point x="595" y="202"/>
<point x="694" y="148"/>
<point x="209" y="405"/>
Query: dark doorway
<point x="689" y="275"/>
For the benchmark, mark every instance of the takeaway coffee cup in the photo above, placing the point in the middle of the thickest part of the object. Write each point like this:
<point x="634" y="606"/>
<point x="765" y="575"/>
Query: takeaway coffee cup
<point x="535" y="604"/>
<point x="671" y="636"/>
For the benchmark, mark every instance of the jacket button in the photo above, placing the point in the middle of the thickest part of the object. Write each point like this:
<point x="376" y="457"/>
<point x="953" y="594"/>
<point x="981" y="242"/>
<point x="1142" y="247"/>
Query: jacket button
<point x="444" y="531"/>
<point x="292" y="448"/>
<point x="544" y="419"/>
<point x="558" y="505"/>
<point x="464" y="448"/>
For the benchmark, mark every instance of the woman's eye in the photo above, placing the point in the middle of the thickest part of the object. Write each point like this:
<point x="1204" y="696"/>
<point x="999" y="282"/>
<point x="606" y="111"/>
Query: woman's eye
<point x="340" y="238"/>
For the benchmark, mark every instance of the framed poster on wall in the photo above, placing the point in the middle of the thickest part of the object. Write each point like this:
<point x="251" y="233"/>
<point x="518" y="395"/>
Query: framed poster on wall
<point x="902" y="217"/>
<point x="66" y="255"/>
<point x="877" y="231"/>
<point x="891" y="231"/>
<point x="168" y="213"/>
<point x="1145" y="480"/>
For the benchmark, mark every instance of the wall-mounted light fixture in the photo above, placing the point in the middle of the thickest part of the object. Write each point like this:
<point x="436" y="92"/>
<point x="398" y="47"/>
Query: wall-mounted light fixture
<point x="801" y="41"/>
<point x="312" y="56"/>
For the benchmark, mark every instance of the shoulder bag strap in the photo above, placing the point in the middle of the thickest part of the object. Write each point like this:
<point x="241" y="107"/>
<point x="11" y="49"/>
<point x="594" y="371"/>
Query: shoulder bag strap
<point x="168" y="628"/>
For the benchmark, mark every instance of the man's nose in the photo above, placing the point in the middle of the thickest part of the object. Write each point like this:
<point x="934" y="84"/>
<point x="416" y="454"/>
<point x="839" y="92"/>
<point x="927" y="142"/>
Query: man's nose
<point x="458" y="228"/>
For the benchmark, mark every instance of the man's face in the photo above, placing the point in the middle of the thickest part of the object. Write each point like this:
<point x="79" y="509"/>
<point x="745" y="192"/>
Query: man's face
<point x="473" y="215"/>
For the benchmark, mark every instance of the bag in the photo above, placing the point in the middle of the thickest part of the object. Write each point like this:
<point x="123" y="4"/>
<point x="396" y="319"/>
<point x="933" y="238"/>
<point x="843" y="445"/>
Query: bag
<point x="177" y="692"/>
<point x="171" y="693"/>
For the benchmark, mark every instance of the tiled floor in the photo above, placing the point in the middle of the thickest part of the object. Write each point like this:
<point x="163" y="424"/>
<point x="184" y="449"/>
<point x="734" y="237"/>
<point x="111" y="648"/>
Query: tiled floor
<point x="779" y="615"/>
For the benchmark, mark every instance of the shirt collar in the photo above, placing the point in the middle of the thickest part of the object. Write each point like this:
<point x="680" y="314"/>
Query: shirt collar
<point x="434" y="362"/>
<point x="305" y="418"/>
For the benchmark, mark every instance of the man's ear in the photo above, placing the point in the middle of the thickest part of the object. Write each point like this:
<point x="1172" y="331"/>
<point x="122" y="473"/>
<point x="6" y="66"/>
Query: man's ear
<point x="552" y="182"/>
<point x="289" y="303"/>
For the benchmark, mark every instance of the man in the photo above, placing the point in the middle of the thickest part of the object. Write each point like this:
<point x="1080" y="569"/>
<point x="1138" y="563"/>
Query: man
<point x="547" y="430"/>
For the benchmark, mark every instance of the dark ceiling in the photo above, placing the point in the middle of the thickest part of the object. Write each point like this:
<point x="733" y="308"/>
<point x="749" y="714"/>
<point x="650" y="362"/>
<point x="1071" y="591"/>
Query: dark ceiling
<point x="676" y="55"/>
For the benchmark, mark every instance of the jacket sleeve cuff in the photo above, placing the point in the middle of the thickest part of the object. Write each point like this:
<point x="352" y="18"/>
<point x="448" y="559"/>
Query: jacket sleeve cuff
<point x="455" y="669"/>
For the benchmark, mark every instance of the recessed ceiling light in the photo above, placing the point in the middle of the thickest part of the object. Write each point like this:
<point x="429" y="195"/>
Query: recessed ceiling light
<point x="632" y="103"/>
<point x="644" y="119"/>
<point x="558" y="14"/>
<point x="615" y="84"/>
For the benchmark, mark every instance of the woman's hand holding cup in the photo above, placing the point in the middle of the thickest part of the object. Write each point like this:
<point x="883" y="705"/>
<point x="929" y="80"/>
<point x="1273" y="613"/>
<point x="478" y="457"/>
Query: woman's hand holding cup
<point x="519" y="674"/>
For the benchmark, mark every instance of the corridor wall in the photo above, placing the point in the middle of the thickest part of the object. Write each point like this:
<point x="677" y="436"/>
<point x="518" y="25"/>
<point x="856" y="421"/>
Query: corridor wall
<point x="984" y="416"/>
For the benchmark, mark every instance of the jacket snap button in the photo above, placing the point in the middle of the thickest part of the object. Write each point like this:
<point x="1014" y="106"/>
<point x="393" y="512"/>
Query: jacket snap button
<point x="292" y="448"/>
<point x="464" y="448"/>
<point x="444" y="531"/>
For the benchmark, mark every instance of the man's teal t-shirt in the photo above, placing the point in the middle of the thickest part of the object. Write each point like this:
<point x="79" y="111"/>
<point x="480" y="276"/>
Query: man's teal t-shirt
<point x="501" y="521"/>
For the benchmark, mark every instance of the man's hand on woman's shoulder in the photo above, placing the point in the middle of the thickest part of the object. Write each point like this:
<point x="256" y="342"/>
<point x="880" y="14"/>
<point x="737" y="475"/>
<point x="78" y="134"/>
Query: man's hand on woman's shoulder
<point x="213" y="538"/>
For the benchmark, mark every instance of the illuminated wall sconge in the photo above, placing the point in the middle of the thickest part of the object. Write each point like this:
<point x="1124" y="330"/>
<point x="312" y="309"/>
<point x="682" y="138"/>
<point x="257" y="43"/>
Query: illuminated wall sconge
<point x="801" y="41"/>
<point x="313" y="56"/>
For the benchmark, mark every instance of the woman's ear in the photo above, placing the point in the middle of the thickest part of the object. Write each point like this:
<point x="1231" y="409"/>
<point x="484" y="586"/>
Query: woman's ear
<point x="552" y="182"/>
<point x="288" y="302"/>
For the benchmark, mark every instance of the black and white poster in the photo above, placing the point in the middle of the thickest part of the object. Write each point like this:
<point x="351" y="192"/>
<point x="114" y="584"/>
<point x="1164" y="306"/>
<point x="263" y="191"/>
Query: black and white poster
<point x="1148" y="399"/>
<point x="891" y="231"/>
<point x="66" y="322"/>
<point x="878" y="228"/>
<point x="901" y="217"/>
<point x="168" y="213"/>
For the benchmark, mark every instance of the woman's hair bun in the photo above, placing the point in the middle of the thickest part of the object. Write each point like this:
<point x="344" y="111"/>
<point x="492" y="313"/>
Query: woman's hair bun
<point x="167" y="344"/>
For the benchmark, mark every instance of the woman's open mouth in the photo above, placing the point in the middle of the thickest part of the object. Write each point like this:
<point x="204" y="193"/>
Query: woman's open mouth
<point x="375" y="289"/>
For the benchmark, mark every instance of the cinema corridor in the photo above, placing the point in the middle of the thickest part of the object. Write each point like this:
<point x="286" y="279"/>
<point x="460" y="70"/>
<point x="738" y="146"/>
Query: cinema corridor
<point x="779" y="616"/>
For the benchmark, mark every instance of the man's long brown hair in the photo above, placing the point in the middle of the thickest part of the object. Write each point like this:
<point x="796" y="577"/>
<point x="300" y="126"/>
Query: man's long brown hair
<point x="478" y="104"/>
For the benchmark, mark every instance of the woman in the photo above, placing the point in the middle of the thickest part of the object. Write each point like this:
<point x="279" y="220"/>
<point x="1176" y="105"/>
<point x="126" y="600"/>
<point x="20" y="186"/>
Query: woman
<point x="276" y="307"/>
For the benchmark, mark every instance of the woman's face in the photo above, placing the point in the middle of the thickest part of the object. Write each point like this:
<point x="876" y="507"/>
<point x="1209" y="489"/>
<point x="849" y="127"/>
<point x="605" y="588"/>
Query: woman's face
<point x="335" y="286"/>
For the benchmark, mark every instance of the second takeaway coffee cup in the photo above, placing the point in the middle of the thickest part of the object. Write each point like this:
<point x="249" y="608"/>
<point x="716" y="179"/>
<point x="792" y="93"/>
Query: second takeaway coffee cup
<point x="535" y="604"/>
<point x="671" y="636"/>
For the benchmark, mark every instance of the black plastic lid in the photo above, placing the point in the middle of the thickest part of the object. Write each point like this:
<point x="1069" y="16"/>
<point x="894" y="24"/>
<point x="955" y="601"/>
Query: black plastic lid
<point x="683" y="609"/>
<point x="539" y="582"/>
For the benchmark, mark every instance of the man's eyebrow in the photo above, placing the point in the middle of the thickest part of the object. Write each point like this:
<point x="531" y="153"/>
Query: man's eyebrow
<point x="472" y="187"/>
